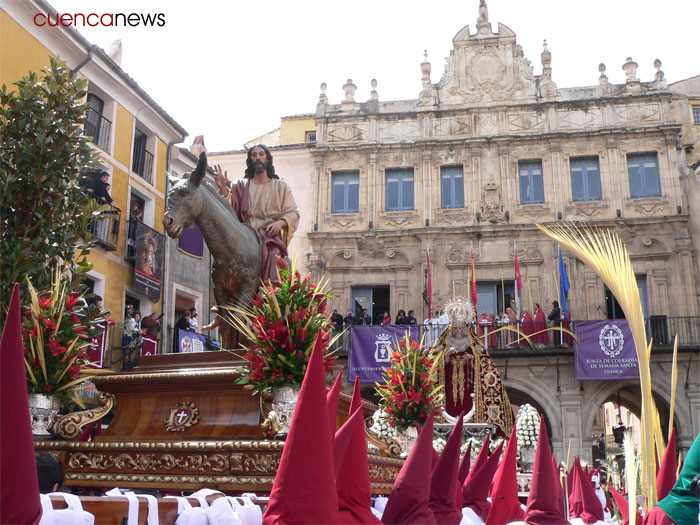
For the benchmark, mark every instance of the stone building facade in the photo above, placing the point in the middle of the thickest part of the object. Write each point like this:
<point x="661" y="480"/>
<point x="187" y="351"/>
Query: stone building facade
<point x="475" y="161"/>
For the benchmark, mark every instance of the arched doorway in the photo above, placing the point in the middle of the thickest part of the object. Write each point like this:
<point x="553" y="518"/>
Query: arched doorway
<point x="619" y="412"/>
<point x="518" y="398"/>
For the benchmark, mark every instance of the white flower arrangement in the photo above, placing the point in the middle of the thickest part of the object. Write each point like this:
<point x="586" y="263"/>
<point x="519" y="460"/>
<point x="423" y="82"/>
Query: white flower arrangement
<point x="439" y="444"/>
<point x="527" y="426"/>
<point x="381" y="425"/>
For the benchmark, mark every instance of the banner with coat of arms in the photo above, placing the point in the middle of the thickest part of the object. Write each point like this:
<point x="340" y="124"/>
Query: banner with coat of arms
<point x="605" y="351"/>
<point x="370" y="349"/>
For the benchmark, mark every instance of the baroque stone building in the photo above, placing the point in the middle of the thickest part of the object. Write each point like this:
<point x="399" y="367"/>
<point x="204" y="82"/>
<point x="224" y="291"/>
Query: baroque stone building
<point x="475" y="161"/>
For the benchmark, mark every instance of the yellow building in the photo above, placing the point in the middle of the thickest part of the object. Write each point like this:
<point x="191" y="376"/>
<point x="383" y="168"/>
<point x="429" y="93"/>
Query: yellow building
<point x="132" y="134"/>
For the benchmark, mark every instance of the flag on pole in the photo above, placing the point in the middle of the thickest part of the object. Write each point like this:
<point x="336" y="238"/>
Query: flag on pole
<point x="430" y="287"/>
<point x="473" y="282"/>
<point x="518" y="280"/>
<point x="563" y="283"/>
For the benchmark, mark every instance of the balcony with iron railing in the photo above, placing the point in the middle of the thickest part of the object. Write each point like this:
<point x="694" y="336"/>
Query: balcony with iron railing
<point x="142" y="162"/>
<point x="105" y="227"/>
<point x="661" y="330"/>
<point x="99" y="128"/>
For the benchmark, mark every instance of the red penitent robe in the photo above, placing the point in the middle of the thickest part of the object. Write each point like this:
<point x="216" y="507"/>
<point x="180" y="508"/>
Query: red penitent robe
<point x="541" y="324"/>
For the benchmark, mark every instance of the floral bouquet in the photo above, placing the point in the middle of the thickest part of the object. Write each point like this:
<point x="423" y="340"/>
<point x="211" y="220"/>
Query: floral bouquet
<point x="527" y="426"/>
<point x="57" y="330"/>
<point x="281" y="328"/>
<point x="409" y="391"/>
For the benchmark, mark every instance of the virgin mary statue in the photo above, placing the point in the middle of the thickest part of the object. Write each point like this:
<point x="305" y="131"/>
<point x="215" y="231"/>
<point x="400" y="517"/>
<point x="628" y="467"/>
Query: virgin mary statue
<point x="465" y="368"/>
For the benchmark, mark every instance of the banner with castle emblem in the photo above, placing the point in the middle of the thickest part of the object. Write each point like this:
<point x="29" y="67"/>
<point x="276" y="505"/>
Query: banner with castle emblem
<point x="605" y="351"/>
<point x="370" y="349"/>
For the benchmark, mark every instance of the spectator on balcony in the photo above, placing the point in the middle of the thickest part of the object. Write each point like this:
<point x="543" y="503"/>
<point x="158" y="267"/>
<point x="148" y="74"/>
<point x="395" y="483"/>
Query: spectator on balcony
<point x="95" y="306"/>
<point x="364" y="319"/>
<point x="386" y="319"/>
<point x="541" y="338"/>
<point x="337" y="320"/>
<point x="510" y="337"/>
<point x="151" y="325"/>
<point x="401" y="318"/>
<point x="527" y="326"/>
<point x="555" y="318"/>
<point x="349" y="319"/>
<point x="135" y="216"/>
<point x="101" y="190"/>
<point x="194" y="325"/>
<point x="411" y="318"/>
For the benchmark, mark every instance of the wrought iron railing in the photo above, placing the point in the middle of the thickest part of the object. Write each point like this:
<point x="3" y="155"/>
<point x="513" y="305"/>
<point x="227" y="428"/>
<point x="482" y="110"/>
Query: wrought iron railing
<point x="105" y="227"/>
<point x="660" y="329"/>
<point x="99" y="128"/>
<point x="142" y="163"/>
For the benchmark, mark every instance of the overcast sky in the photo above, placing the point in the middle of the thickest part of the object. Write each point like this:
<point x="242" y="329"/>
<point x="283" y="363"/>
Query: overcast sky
<point x="230" y="70"/>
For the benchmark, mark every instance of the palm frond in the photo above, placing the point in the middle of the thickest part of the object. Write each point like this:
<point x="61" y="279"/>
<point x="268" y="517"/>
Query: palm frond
<point x="605" y="252"/>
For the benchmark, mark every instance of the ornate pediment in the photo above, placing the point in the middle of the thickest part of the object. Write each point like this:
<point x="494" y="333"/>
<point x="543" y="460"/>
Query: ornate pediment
<point x="486" y="67"/>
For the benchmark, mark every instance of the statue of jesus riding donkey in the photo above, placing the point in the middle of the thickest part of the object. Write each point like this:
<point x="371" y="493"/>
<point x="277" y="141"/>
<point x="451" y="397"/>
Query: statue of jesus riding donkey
<point x="246" y="226"/>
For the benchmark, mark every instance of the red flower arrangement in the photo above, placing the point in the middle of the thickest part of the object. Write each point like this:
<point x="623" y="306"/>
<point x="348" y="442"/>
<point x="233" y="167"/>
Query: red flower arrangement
<point x="57" y="331"/>
<point x="281" y="327"/>
<point x="409" y="391"/>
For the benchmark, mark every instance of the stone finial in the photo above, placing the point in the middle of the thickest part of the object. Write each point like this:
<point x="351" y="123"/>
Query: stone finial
<point x="546" y="58"/>
<point x="630" y="69"/>
<point x="659" y="76"/>
<point x="425" y="69"/>
<point x="349" y="88"/>
<point x="373" y="95"/>
<point x="546" y="55"/>
<point x="603" y="79"/>
<point x="323" y="98"/>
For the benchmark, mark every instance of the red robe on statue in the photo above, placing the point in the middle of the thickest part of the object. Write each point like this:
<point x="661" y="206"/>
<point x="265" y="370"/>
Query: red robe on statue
<point x="541" y="324"/>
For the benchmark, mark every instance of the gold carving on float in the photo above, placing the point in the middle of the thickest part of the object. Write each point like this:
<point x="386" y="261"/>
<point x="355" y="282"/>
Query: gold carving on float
<point x="148" y="445"/>
<point x="268" y="417"/>
<point x="169" y="478"/>
<point x="150" y="462"/>
<point x="184" y="415"/>
<point x="383" y="473"/>
<point x="71" y="425"/>
<point x="122" y="378"/>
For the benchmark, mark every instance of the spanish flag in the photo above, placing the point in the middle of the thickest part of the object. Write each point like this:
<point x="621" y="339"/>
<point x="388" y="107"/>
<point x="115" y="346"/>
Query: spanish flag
<point x="518" y="280"/>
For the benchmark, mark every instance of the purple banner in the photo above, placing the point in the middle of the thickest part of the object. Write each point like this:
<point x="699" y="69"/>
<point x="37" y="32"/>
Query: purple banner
<point x="191" y="241"/>
<point x="370" y="350"/>
<point x="605" y="351"/>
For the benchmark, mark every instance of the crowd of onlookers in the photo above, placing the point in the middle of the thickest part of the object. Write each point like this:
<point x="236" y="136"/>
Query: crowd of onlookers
<point x="534" y="325"/>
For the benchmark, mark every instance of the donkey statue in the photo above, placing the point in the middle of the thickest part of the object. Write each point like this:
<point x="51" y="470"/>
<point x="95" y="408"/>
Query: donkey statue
<point x="236" y="247"/>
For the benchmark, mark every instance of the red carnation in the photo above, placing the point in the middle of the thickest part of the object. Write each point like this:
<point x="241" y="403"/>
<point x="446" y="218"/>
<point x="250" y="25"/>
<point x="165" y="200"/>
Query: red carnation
<point x="282" y="264"/>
